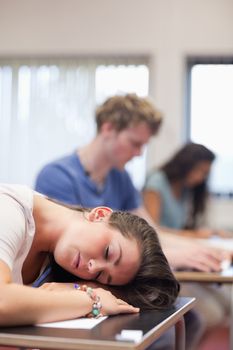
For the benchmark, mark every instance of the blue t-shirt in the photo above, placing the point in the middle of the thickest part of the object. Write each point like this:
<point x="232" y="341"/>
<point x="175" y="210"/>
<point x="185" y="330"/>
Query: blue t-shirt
<point x="174" y="211"/>
<point x="65" y="180"/>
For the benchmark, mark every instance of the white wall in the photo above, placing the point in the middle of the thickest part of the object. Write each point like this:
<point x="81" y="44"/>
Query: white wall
<point x="167" y="30"/>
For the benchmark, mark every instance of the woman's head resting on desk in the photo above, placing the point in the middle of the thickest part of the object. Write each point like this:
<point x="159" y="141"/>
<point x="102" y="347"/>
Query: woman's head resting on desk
<point x="119" y="249"/>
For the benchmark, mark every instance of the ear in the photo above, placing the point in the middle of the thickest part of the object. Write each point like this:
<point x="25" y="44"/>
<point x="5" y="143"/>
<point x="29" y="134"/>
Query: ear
<point x="99" y="214"/>
<point x="107" y="128"/>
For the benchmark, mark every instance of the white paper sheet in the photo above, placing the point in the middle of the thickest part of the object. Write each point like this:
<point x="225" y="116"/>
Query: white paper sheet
<point x="224" y="243"/>
<point x="80" y="323"/>
<point x="228" y="272"/>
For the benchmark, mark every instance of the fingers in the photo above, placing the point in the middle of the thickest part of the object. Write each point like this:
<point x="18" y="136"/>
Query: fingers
<point x="112" y="305"/>
<point x="209" y="259"/>
<point x="121" y="302"/>
<point x="204" y="233"/>
<point x="204" y="266"/>
<point x="126" y="308"/>
<point x="221" y="255"/>
<point x="225" y="234"/>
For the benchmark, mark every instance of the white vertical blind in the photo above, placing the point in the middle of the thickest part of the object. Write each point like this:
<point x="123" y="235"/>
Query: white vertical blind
<point x="47" y="109"/>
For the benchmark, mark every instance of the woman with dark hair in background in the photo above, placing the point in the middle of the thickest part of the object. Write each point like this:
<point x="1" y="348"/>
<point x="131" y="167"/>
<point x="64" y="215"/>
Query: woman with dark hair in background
<point x="175" y="194"/>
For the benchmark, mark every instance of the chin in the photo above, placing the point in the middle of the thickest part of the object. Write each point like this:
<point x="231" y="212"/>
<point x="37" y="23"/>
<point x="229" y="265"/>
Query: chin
<point x="121" y="166"/>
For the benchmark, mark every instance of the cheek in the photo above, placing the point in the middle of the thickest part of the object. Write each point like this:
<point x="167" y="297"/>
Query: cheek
<point x="191" y="178"/>
<point x="60" y="254"/>
<point x="195" y="180"/>
<point x="125" y="148"/>
<point x="93" y="247"/>
<point x="121" y="151"/>
<point x="199" y="177"/>
<point x="63" y="252"/>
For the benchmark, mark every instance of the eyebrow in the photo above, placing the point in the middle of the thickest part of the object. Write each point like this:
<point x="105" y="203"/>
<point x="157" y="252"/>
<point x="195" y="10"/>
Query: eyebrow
<point x="116" y="263"/>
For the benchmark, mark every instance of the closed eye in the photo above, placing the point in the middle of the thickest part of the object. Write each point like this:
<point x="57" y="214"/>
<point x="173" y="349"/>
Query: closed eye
<point x="106" y="256"/>
<point x="98" y="275"/>
<point x="106" y="253"/>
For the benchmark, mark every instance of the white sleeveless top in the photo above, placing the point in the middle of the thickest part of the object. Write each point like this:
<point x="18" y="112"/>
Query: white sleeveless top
<point x="17" y="226"/>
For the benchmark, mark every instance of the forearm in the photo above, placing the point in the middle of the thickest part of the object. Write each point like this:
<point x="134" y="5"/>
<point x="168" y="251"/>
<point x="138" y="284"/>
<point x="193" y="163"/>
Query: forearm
<point x="20" y="305"/>
<point x="189" y="233"/>
<point x="165" y="233"/>
<point x="171" y="247"/>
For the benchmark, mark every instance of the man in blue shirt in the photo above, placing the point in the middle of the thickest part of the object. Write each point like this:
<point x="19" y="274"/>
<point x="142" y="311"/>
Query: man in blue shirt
<point x="94" y="175"/>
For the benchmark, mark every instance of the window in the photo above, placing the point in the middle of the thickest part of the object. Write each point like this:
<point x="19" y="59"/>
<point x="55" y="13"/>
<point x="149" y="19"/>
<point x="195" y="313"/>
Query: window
<point x="47" y="109"/>
<point x="211" y="113"/>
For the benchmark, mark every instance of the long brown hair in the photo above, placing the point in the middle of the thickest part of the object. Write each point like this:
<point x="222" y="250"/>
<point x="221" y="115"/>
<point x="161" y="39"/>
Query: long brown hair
<point x="154" y="286"/>
<point x="177" y="169"/>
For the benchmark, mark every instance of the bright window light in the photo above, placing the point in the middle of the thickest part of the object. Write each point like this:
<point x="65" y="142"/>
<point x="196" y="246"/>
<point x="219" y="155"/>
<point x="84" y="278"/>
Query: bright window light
<point x="211" y="119"/>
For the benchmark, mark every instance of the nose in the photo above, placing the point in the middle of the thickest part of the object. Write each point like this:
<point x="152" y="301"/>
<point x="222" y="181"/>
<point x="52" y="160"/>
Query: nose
<point x="94" y="266"/>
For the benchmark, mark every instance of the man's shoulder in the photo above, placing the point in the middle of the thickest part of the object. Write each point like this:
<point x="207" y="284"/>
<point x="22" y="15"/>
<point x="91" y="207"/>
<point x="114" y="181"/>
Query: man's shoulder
<point x="60" y="169"/>
<point x="66" y="163"/>
<point x="120" y="174"/>
<point x="67" y="159"/>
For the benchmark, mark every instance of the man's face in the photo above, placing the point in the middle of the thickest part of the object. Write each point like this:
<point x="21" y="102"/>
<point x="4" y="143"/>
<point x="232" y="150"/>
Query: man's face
<point x="126" y="144"/>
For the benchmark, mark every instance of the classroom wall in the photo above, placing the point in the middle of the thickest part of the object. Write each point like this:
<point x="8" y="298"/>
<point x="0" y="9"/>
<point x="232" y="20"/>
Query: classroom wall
<point x="165" y="30"/>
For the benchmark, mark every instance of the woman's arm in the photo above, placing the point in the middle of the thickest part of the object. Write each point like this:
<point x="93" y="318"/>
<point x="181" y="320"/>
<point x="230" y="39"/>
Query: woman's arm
<point x="21" y="305"/>
<point x="152" y="202"/>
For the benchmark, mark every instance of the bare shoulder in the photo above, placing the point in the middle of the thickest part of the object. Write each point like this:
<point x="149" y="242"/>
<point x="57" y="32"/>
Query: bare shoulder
<point x="5" y="273"/>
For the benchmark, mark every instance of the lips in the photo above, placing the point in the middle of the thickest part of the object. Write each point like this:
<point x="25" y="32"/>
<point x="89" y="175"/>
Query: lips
<point x="76" y="261"/>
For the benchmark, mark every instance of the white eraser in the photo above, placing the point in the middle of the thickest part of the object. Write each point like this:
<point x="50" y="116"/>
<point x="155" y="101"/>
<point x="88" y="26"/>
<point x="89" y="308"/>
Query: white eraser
<point x="225" y="264"/>
<point x="130" y="335"/>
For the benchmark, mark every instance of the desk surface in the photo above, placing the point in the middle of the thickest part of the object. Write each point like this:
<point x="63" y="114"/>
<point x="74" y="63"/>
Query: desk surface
<point x="196" y="276"/>
<point x="103" y="336"/>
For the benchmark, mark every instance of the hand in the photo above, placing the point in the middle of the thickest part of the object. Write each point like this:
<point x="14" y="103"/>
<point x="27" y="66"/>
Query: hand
<point x="189" y="253"/>
<point x="112" y="305"/>
<point x="224" y="234"/>
<point x="205" y="258"/>
<point x="54" y="286"/>
<point x="204" y="233"/>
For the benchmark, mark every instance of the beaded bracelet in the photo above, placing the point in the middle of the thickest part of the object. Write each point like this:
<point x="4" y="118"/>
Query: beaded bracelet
<point x="96" y="307"/>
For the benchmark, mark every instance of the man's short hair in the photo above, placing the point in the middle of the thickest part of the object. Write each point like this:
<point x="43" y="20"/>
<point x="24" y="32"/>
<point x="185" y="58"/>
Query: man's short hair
<point x="128" y="110"/>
